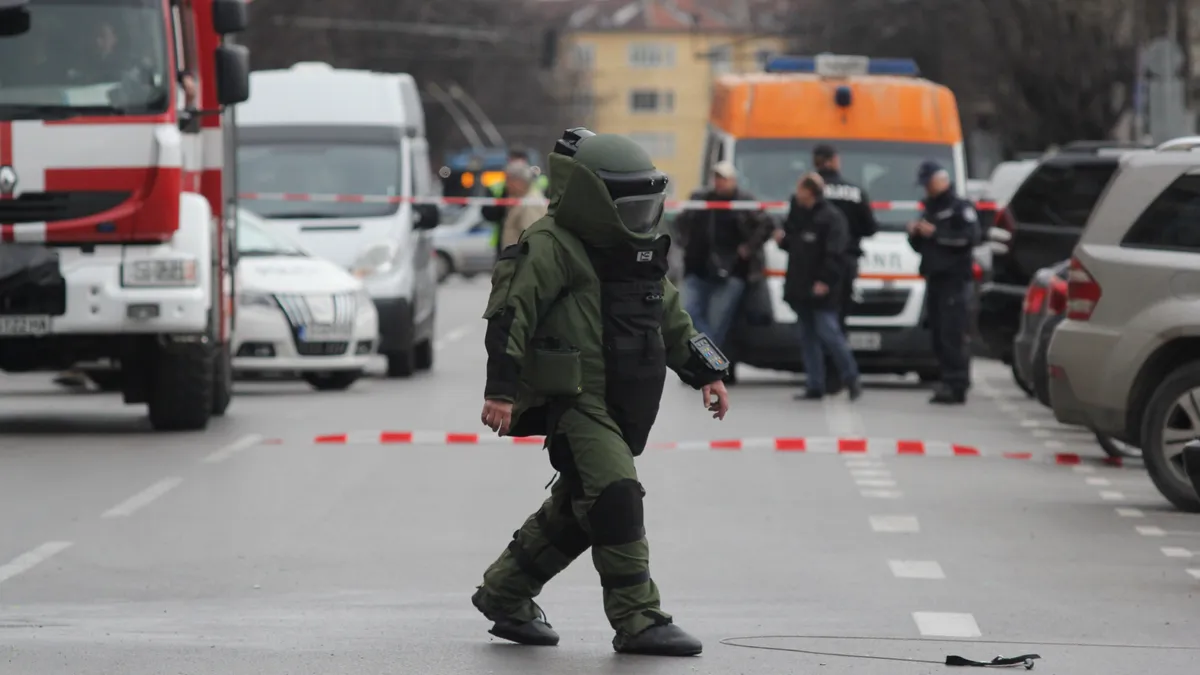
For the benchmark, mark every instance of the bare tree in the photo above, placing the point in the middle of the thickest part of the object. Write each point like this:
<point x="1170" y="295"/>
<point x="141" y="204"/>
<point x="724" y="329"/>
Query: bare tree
<point x="1039" y="72"/>
<point x="493" y="50"/>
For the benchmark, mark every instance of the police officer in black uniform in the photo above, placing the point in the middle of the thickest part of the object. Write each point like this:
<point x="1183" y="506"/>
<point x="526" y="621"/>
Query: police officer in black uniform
<point x="945" y="237"/>
<point x="854" y="203"/>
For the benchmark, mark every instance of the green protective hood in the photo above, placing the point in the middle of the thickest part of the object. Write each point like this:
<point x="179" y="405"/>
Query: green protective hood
<point x="580" y="203"/>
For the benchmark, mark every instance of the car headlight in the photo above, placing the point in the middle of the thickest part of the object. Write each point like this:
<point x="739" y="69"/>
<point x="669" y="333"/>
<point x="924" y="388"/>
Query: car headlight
<point x="159" y="272"/>
<point x="375" y="260"/>
<point x="263" y="300"/>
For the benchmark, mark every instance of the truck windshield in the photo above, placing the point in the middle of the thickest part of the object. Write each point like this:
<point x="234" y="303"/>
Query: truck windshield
<point x="94" y="57"/>
<point x="319" y="169"/>
<point x="769" y="169"/>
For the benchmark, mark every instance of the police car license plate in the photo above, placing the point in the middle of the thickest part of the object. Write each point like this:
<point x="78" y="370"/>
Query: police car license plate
<point x="865" y="342"/>
<point x="324" y="333"/>
<point x="24" y="325"/>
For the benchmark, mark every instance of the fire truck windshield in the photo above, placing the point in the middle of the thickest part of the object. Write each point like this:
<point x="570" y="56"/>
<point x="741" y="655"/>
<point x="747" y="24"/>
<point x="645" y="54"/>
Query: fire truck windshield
<point x="92" y="57"/>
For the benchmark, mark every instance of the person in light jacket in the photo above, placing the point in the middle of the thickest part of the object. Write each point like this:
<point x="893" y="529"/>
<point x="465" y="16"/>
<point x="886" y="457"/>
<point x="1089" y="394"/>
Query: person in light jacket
<point x="815" y="236"/>
<point x="519" y="182"/>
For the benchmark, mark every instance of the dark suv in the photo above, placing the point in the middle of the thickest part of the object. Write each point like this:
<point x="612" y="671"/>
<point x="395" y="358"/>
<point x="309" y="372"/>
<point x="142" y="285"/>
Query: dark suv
<point x="1039" y="227"/>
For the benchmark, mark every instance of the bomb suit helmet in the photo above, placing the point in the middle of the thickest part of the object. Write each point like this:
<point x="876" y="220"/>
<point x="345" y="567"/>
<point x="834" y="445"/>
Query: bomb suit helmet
<point x="636" y="188"/>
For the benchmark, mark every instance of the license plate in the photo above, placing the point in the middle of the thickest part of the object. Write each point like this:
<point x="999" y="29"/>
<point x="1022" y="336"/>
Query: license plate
<point x="24" y="325"/>
<point x="320" y="333"/>
<point x="865" y="342"/>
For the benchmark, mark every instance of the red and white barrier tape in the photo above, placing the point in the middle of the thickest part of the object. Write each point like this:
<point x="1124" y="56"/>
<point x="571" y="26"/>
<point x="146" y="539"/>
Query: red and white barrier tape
<point x="674" y="205"/>
<point x="817" y="445"/>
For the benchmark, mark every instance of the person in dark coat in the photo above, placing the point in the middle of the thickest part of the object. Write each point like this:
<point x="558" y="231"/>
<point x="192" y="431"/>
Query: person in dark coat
<point x="815" y="236"/>
<point x="722" y="254"/>
<point x="855" y="204"/>
<point x="945" y="236"/>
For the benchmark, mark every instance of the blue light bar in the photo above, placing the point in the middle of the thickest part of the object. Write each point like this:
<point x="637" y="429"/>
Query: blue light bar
<point x="824" y="65"/>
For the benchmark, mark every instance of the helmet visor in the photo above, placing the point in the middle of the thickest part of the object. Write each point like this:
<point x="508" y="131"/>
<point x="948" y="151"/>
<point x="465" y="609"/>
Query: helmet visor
<point x="640" y="214"/>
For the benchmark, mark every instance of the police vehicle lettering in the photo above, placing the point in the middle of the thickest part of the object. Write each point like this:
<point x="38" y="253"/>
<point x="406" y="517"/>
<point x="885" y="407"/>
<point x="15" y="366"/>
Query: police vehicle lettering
<point x="845" y="193"/>
<point x="884" y="261"/>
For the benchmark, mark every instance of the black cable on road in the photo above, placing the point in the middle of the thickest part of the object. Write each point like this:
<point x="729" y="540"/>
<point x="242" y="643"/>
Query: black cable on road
<point x="1025" y="660"/>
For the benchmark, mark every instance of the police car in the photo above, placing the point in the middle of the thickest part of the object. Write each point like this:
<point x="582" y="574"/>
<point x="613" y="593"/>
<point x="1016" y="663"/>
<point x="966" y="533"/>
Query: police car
<point x="297" y="312"/>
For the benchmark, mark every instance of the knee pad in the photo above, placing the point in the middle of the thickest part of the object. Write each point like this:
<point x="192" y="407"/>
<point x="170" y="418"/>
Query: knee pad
<point x="617" y="516"/>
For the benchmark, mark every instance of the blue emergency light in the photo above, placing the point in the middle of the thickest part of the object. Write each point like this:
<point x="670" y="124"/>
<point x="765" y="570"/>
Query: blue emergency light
<point x="837" y="65"/>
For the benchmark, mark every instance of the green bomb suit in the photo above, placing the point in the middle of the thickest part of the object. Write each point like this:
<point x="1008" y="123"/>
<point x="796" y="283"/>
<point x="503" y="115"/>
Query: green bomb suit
<point x="582" y="326"/>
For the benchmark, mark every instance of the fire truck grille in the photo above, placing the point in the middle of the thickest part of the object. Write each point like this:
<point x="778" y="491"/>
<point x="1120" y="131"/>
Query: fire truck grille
<point x="39" y="207"/>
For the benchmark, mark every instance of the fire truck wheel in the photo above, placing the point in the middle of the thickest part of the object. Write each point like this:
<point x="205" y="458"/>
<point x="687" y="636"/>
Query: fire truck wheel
<point x="222" y="381"/>
<point x="180" y="395"/>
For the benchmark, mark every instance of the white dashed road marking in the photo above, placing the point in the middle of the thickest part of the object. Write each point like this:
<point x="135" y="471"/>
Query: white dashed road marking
<point x="871" y="473"/>
<point x="875" y="483"/>
<point x="947" y="624"/>
<point x="1150" y="531"/>
<point x="1131" y="513"/>
<point x="1083" y="468"/>
<point x="1195" y="573"/>
<point x="864" y="464"/>
<point x="1173" y="552"/>
<point x="1112" y="496"/>
<point x="233" y="448"/>
<point x="882" y="494"/>
<point x="451" y="337"/>
<point x="27" y="561"/>
<point x="841" y="418"/>
<point x="129" y="506"/>
<point x="1099" y="481"/>
<point x="916" y="569"/>
<point x="898" y="524"/>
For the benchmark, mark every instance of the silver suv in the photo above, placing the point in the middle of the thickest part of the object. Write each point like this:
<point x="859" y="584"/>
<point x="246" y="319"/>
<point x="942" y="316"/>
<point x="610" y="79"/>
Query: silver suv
<point x="1126" y="361"/>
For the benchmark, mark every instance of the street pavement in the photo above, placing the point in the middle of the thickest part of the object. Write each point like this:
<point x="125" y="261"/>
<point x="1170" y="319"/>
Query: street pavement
<point x="251" y="548"/>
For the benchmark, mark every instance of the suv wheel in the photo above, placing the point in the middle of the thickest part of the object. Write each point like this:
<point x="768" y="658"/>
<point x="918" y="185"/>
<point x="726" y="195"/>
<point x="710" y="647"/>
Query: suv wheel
<point x="1172" y="420"/>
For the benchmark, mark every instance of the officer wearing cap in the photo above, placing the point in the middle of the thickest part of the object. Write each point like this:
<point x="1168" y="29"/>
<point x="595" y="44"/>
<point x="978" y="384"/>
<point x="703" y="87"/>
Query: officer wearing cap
<point x="945" y="237"/>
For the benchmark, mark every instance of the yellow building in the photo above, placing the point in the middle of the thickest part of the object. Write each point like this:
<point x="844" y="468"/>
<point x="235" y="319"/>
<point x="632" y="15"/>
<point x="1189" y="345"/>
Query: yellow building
<point x="644" y="68"/>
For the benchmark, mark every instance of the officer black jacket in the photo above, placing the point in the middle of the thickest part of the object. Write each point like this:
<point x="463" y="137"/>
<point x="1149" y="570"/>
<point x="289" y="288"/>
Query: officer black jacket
<point x="855" y="204"/>
<point x="816" y="241"/>
<point x="948" y="254"/>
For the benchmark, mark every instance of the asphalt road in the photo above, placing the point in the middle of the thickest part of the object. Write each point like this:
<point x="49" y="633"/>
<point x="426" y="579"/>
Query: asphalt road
<point x="251" y="548"/>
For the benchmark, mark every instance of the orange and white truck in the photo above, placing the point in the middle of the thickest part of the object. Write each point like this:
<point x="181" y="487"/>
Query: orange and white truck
<point x="884" y="120"/>
<point x="116" y="238"/>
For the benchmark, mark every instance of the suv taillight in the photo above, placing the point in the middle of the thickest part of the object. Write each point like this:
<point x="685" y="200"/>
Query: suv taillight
<point x="1005" y="221"/>
<point x="1034" y="298"/>
<point x="1082" y="292"/>
<point x="1057" y="297"/>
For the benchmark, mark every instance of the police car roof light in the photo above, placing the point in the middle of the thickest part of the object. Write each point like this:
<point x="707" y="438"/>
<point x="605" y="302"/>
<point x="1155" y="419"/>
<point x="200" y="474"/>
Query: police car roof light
<point x="839" y="65"/>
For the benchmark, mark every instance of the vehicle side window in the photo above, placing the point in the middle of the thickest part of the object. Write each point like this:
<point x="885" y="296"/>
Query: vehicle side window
<point x="1061" y="194"/>
<point x="1172" y="221"/>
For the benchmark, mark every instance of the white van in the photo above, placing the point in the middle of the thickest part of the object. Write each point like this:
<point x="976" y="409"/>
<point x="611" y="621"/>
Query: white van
<point x="311" y="132"/>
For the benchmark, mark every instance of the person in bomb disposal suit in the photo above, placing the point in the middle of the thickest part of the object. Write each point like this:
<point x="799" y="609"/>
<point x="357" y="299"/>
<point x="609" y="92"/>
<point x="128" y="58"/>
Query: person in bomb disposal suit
<point x="855" y="204"/>
<point x="945" y="237"/>
<point x="582" y="327"/>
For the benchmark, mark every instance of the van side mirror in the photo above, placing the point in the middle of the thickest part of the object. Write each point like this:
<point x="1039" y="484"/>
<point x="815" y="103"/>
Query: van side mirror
<point x="14" y="18"/>
<point x="229" y="16"/>
<point x="233" y="74"/>
<point x="428" y="216"/>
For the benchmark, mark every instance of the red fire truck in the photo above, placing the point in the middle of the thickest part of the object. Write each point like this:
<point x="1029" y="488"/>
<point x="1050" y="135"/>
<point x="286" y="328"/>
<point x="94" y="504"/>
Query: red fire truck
<point x="116" y="235"/>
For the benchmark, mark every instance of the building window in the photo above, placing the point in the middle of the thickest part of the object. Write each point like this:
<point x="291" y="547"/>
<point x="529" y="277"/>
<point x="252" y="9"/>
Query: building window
<point x="722" y="60"/>
<point x="657" y="144"/>
<point x="651" y="55"/>
<point x="583" y="56"/>
<point x="651" y="101"/>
